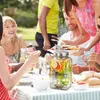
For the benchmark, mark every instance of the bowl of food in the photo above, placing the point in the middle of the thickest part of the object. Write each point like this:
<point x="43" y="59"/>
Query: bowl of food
<point x="41" y="82"/>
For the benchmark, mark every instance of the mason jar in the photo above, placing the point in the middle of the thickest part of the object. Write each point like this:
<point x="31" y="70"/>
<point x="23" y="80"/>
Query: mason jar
<point x="61" y="71"/>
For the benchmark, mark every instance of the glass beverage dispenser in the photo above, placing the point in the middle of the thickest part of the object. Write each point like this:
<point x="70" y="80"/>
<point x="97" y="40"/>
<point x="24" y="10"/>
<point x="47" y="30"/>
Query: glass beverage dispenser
<point x="60" y="70"/>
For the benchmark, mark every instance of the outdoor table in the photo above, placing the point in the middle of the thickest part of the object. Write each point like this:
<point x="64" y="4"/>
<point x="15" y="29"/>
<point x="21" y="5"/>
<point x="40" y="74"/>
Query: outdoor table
<point x="30" y="93"/>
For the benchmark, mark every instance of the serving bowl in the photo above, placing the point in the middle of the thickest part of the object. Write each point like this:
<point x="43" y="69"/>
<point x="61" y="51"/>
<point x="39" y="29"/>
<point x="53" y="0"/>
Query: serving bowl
<point x="41" y="82"/>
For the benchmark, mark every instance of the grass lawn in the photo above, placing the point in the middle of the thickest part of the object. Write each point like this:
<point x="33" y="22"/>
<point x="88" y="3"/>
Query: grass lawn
<point x="27" y="33"/>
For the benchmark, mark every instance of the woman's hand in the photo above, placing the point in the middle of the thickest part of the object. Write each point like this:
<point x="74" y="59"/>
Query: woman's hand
<point x="33" y="58"/>
<point x="81" y="50"/>
<point x="94" y="57"/>
<point x="76" y="69"/>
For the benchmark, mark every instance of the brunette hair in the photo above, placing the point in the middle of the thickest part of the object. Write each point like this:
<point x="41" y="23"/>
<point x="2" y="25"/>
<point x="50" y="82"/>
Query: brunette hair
<point x="98" y="25"/>
<point x="1" y="27"/>
<point x="68" y="5"/>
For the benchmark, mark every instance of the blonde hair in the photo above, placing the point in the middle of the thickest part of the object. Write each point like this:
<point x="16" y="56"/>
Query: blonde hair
<point x="7" y="19"/>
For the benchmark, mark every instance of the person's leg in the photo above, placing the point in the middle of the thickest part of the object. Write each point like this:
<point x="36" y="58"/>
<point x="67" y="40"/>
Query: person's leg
<point x="53" y="43"/>
<point x="39" y="39"/>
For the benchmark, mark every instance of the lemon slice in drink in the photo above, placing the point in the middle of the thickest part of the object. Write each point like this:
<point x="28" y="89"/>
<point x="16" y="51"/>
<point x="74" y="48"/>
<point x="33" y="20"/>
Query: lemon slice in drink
<point x="54" y="64"/>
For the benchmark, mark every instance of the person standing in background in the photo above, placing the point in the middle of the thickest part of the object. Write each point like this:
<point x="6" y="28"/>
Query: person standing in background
<point x="48" y="11"/>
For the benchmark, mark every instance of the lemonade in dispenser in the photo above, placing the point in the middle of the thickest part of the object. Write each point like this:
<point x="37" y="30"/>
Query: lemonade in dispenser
<point x="60" y="70"/>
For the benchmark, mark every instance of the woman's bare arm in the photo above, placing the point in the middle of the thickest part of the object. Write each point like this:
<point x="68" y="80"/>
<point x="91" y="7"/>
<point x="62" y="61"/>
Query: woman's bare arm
<point x="96" y="6"/>
<point x="10" y="80"/>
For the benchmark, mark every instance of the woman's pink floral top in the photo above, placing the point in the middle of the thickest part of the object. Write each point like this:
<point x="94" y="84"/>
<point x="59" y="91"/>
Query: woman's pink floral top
<point x="86" y="16"/>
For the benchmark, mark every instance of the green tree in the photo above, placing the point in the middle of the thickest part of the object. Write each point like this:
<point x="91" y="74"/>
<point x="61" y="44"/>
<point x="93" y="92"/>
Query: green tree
<point x="9" y="3"/>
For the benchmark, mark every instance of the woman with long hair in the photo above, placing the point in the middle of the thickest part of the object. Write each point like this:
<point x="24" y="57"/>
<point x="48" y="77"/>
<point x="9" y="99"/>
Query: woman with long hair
<point x="11" y="41"/>
<point x="7" y="80"/>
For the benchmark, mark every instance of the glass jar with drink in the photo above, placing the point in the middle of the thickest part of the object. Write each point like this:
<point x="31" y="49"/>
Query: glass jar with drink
<point x="61" y="70"/>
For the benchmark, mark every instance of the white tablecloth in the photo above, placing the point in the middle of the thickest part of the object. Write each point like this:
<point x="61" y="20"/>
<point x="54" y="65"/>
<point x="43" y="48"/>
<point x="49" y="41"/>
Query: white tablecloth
<point x="30" y="93"/>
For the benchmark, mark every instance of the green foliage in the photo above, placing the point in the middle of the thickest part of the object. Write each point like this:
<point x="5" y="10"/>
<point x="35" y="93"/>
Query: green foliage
<point x="25" y="18"/>
<point x="27" y="33"/>
<point x="26" y="15"/>
<point x="61" y="25"/>
<point x="8" y="3"/>
<point x="61" y="18"/>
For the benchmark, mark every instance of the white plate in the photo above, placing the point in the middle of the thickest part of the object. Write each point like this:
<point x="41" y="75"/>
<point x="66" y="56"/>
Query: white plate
<point x="72" y="52"/>
<point x="80" y="87"/>
<point x="25" y="81"/>
<point x="13" y="64"/>
<point x="51" y="51"/>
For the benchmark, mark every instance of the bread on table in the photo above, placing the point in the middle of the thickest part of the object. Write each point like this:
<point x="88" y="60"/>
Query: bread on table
<point x="90" y="77"/>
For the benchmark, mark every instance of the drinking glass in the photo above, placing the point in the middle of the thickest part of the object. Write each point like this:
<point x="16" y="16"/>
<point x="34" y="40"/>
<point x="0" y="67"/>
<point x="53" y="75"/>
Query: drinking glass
<point x="42" y="65"/>
<point x="23" y="54"/>
<point x="86" y="55"/>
